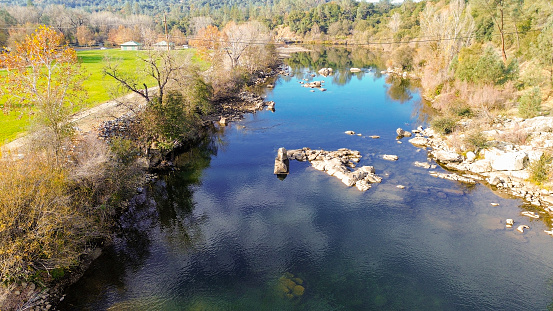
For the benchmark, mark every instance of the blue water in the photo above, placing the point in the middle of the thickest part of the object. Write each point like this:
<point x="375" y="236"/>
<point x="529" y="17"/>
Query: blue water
<point x="224" y="233"/>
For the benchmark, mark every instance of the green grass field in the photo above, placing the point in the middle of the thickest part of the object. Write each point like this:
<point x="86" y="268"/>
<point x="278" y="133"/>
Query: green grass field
<point x="96" y="85"/>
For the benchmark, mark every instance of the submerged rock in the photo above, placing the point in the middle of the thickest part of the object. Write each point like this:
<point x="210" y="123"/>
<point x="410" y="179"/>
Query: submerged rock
<point x="390" y="157"/>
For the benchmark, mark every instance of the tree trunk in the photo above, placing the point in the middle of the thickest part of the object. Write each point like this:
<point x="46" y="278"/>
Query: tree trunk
<point x="501" y="31"/>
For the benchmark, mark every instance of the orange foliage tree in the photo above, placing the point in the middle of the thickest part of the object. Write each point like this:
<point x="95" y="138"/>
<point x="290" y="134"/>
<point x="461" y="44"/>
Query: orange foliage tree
<point x="207" y="40"/>
<point x="43" y="74"/>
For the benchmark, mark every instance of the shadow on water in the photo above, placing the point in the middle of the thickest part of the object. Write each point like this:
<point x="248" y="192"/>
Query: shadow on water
<point x="163" y="209"/>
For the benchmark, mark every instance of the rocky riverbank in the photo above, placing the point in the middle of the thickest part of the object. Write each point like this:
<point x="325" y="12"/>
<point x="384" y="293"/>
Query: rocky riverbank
<point x="503" y="164"/>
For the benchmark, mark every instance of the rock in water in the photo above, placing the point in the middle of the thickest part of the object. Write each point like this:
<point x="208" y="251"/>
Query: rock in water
<point x="390" y="157"/>
<point x="282" y="164"/>
<point x="401" y="133"/>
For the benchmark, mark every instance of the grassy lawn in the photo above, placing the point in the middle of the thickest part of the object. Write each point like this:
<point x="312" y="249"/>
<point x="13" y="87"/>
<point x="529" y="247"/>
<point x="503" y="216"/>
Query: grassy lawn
<point x="97" y="85"/>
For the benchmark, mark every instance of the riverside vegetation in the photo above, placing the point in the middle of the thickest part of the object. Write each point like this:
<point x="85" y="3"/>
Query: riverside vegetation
<point x="61" y="193"/>
<point x="479" y="60"/>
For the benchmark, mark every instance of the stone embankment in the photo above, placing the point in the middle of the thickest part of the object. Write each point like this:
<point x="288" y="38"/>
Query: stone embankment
<point x="503" y="164"/>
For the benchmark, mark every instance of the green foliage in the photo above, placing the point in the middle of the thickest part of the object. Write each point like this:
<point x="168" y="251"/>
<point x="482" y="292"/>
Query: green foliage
<point x="462" y="111"/>
<point x="444" y="124"/>
<point x="124" y="150"/>
<point x="540" y="170"/>
<point x="484" y="66"/>
<point x="402" y="57"/>
<point x="530" y="103"/>
<point x="544" y="50"/>
<point x="476" y="140"/>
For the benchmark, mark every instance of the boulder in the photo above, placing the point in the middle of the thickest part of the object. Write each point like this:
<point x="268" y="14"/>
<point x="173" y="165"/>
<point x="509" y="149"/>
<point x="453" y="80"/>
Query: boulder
<point x="510" y="161"/>
<point x="325" y="71"/>
<point x="447" y="156"/>
<point x="355" y="70"/>
<point x="223" y="121"/>
<point x="362" y="185"/>
<point x="471" y="156"/>
<point x="281" y="167"/>
<point x="282" y="154"/>
<point x="390" y="157"/>
<point x="401" y="133"/>
<point x="350" y="132"/>
<point x="480" y="166"/>
<point x="282" y="163"/>
<point x="420" y="141"/>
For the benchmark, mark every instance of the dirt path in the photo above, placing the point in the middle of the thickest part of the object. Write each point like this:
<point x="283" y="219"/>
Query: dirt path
<point x="87" y="120"/>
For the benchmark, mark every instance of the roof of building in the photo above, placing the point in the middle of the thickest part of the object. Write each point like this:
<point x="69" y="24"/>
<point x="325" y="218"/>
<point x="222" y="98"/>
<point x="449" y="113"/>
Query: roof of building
<point x="131" y="43"/>
<point x="163" y="43"/>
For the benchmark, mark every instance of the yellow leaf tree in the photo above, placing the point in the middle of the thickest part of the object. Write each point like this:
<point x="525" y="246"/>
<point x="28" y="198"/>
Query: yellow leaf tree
<point x="43" y="74"/>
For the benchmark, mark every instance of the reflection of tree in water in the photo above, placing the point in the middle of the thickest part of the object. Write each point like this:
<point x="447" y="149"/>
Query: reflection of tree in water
<point x="338" y="58"/>
<point x="167" y="206"/>
<point x="173" y="195"/>
<point x="399" y="89"/>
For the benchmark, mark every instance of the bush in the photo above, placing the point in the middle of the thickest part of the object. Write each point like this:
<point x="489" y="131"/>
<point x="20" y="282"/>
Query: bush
<point x="476" y="140"/>
<point x="402" y="57"/>
<point x="530" y="103"/>
<point x="41" y="226"/>
<point x="540" y="169"/>
<point x="444" y="125"/>
<point x="484" y="66"/>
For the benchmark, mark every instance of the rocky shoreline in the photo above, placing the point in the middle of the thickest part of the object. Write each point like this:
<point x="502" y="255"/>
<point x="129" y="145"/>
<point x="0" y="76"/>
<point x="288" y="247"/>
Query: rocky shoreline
<point x="502" y="165"/>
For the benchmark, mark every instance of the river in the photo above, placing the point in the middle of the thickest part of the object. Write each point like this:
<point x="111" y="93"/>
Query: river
<point x="224" y="233"/>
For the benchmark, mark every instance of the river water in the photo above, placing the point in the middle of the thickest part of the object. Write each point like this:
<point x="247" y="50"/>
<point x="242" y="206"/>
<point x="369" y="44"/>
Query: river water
<point x="224" y="233"/>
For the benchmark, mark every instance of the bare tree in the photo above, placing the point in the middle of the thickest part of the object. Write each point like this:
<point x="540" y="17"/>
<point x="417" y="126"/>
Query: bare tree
<point x="200" y="22"/>
<point x="239" y="38"/>
<point x="395" y="22"/>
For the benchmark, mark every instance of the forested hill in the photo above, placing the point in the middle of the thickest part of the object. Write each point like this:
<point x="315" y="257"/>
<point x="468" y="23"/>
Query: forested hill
<point x="157" y="6"/>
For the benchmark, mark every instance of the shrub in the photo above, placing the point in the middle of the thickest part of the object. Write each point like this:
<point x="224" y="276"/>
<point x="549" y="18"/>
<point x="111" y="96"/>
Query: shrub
<point x="540" y="169"/>
<point x="402" y="57"/>
<point x="444" y="124"/>
<point x="516" y="135"/>
<point x="530" y="103"/>
<point x="476" y="140"/>
<point x="484" y="66"/>
<point x="40" y="226"/>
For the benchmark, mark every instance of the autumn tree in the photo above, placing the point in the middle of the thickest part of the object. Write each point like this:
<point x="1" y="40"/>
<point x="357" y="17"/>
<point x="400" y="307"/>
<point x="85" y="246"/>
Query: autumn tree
<point x="85" y="36"/>
<point x="42" y="73"/>
<point x="207" y="41"/>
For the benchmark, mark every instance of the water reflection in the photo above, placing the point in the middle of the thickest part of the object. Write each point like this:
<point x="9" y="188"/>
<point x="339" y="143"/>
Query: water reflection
<point x="338" y="58"/>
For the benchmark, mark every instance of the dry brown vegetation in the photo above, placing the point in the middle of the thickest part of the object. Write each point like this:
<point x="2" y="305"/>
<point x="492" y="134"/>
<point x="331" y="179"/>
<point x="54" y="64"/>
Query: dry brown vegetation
<point x="50" y="214"/>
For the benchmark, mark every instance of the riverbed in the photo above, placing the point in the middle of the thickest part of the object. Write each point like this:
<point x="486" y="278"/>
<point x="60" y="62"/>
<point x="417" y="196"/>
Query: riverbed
<point x="222" y="232"/>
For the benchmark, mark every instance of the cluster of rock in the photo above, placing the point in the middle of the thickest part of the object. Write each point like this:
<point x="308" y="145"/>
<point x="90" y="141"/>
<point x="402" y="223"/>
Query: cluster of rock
<point x="260" y="77"/>
<point x="291" y="287"/>
<point x="314" y="84"/>
<point x="120" y="127"/>
<point x="36" y="299"/>
<point x="503" y="165"/>
<point x="325" y="72"/>
<point x="233" y="109"/>
<point x="340" y="164"/>
<point x="399" y="72"/>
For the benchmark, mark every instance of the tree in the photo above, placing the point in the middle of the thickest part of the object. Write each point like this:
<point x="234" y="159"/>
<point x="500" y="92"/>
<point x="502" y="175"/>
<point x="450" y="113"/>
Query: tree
<point x="207" y="41"/>
<point x="173" y="106"/>
<point x="42" y="73"/>
<point x="238" y="38"/>
<point x="85" y="36"/>
<point x="544" y="48"/>
<point x="395" y="22"/>
<point x="498" y="11"/>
